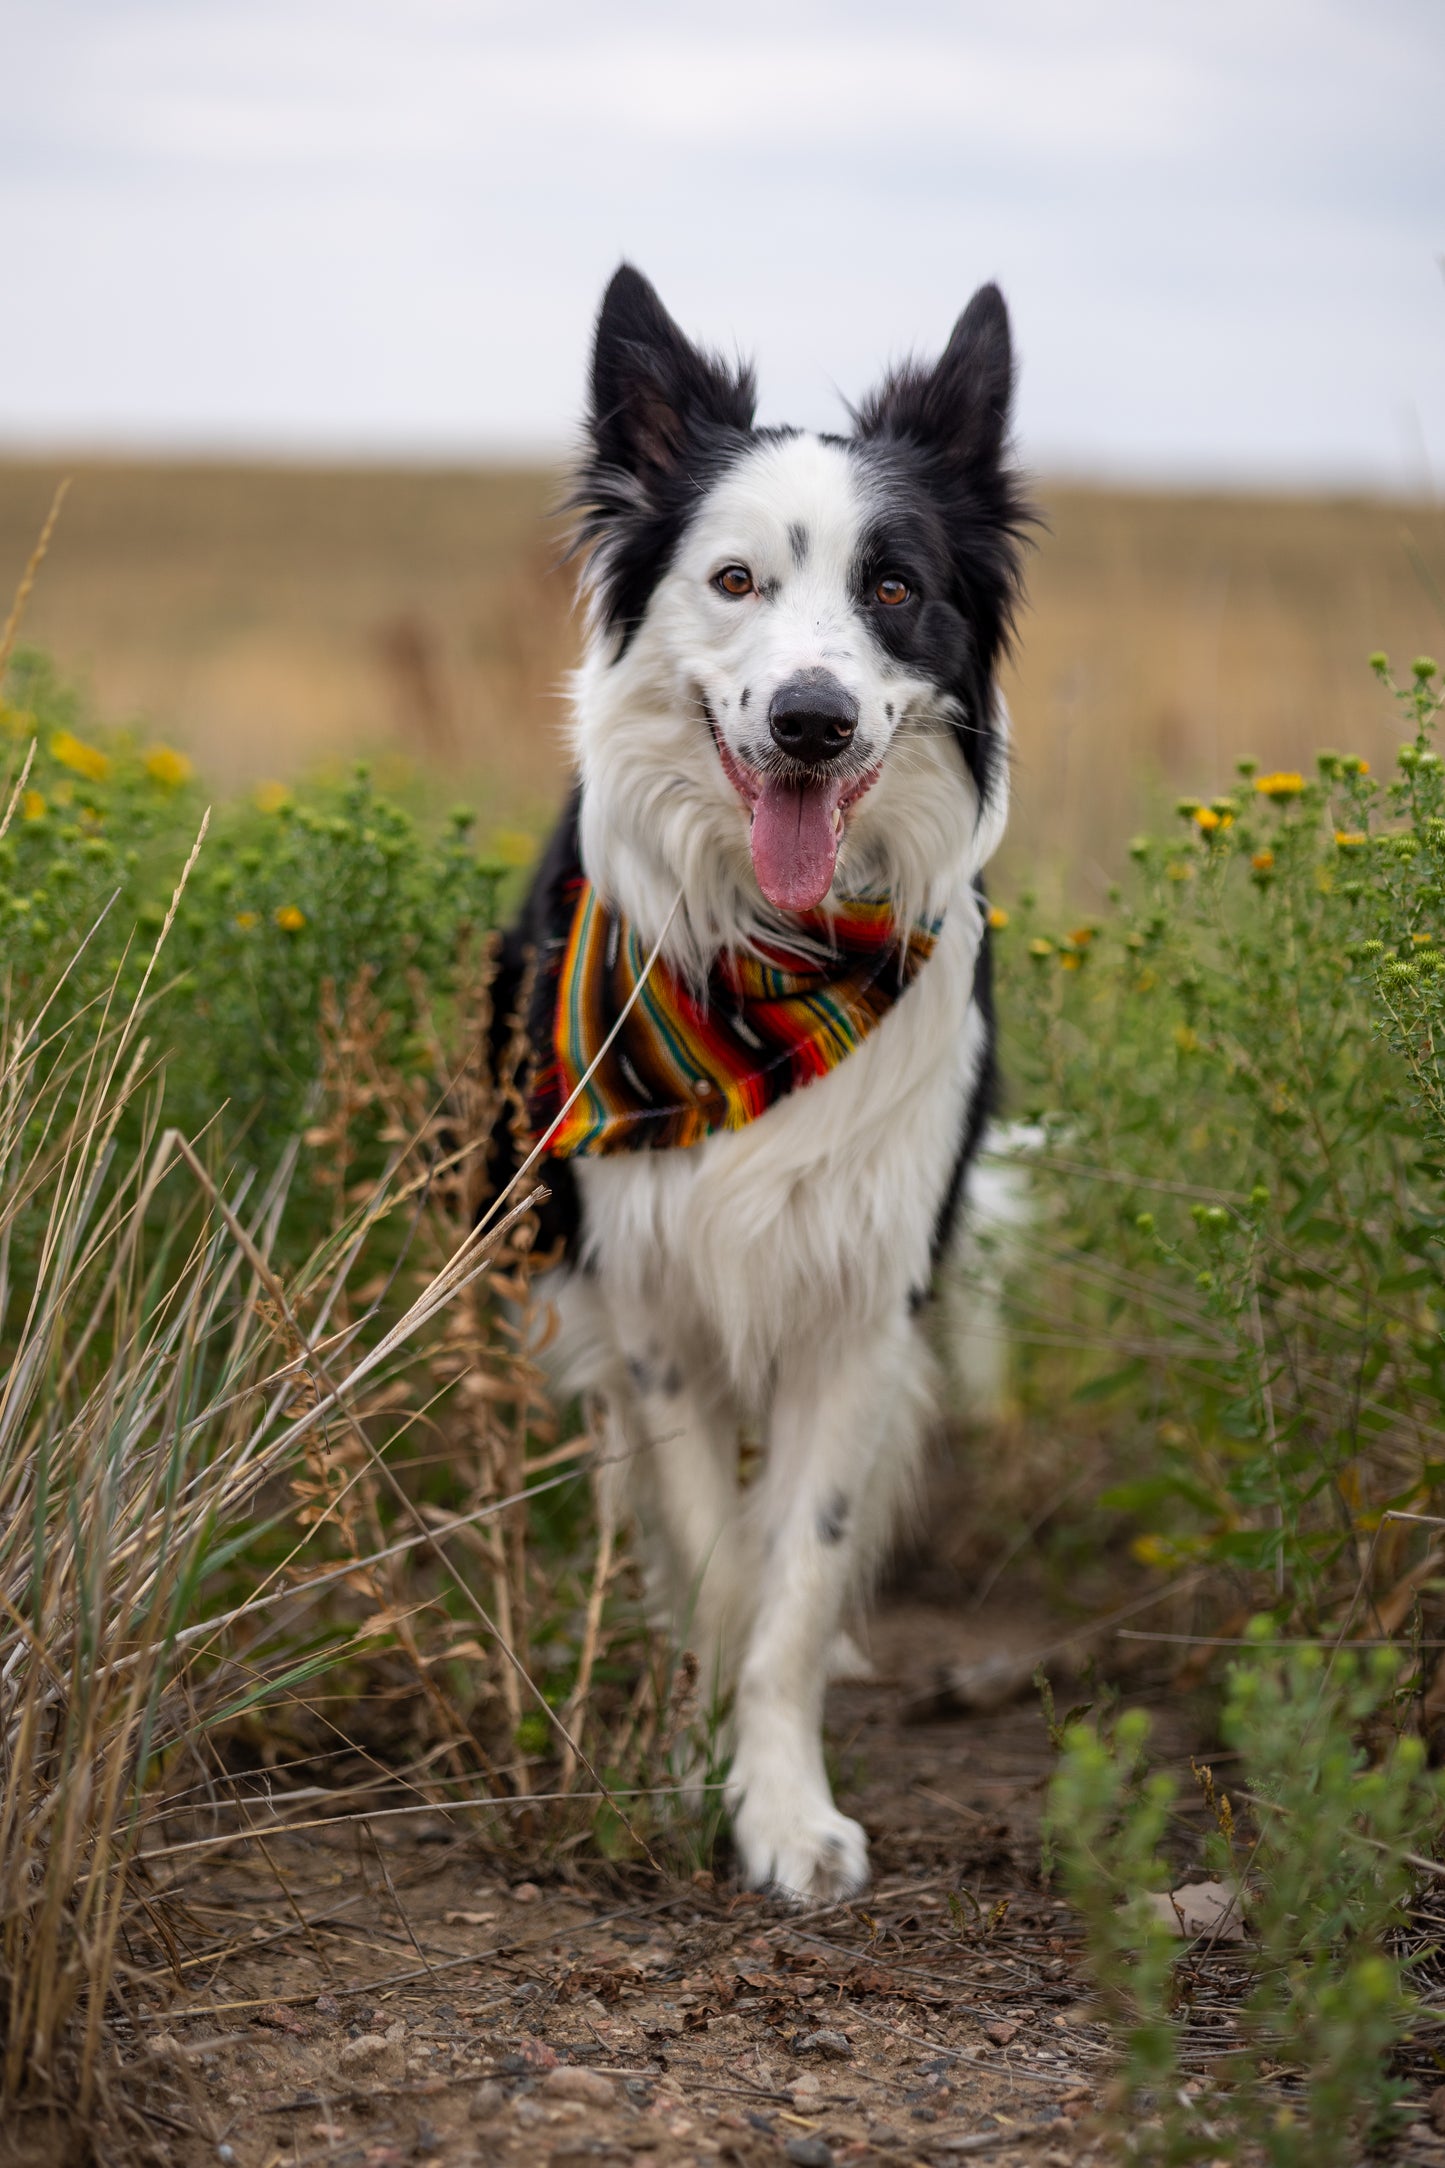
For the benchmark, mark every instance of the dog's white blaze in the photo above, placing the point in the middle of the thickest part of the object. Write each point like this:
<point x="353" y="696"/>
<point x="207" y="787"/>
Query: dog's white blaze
<point x="763" y="1278"/>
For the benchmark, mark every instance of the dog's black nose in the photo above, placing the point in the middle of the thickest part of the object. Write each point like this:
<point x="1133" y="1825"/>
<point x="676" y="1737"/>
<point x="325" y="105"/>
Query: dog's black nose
<point x="812" y="717"/>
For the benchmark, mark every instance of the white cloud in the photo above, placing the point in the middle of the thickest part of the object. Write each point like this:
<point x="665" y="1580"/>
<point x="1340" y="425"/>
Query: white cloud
<point x="337" y="223"/>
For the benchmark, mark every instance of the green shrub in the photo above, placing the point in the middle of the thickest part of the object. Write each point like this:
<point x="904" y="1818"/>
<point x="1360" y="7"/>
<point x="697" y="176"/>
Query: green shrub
<point x="1322" y="1887"/>
<point x="298" y="905"/>
<point x="1236" y="1073"/>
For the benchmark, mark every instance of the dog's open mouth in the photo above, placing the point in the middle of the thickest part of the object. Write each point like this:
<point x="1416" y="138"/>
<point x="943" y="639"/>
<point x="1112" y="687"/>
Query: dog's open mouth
<point x="797" y="827"/>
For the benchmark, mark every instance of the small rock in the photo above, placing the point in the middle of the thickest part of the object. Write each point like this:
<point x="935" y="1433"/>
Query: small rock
<point x="329" y="2133"/>
<point x="525" y="1893"/>
<point x="571" y="2081"/>
<point x="487" y="2102"/>
<point x="807" y="2087"/>
<point x="1435" y="2108"/>
<point x="808" y="2153"/>
<point x="527" y="2111"/>
<point x="374" y="2055"/>
<point x="530" y="2056"/>
<point x="166" y="2048"/>
<point x="280" y="2019"/>
<point x="834" y="2044"/>
<point x="1000" y="2030"/>
<point x="328" y="2007"/>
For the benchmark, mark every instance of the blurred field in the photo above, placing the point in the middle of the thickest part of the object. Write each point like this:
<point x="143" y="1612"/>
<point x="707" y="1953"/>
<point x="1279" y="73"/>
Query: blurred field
<point x="268" y="619"/>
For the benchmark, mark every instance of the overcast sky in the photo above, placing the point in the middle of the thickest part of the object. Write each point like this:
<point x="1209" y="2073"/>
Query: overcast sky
<point x="359" y="226"/>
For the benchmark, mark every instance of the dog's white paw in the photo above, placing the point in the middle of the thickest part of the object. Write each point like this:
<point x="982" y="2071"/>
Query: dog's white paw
<point x="798" y="1845"/>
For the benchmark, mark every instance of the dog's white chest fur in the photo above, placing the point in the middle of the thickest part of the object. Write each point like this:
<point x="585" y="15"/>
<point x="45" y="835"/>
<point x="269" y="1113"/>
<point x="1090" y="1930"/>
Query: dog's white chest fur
<point x="824" y="1208"/>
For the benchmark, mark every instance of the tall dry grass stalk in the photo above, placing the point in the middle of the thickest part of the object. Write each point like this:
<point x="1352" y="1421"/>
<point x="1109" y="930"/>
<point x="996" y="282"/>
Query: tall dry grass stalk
<point x="146" y="1427"/>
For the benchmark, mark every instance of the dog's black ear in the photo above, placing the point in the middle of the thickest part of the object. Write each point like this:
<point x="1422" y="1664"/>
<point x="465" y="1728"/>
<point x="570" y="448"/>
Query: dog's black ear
<point x="651" y="387"/>
<point x="959" y="407"/>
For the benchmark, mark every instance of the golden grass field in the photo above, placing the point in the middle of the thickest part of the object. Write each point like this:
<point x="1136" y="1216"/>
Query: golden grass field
<point x="268" y="619"/>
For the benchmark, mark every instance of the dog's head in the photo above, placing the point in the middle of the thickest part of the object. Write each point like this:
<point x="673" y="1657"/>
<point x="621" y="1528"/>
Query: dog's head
<point x="793" y="639"/>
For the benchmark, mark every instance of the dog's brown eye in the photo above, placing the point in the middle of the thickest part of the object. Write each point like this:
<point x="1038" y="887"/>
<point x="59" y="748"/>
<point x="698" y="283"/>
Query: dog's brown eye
<point x="892" y="592"/>
<point x="734" y="580"/>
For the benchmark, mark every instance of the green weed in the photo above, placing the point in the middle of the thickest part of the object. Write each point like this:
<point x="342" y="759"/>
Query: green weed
<point x="1323" y="1887"/>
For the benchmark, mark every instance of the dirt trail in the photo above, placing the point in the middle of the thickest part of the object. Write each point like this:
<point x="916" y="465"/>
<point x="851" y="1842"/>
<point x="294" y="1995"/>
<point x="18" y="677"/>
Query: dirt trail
<point x="373" y="1995"/>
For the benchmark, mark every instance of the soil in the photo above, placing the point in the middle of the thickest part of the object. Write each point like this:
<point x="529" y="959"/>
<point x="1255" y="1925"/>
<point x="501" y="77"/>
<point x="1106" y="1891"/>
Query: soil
<point x="376" y="1993"/>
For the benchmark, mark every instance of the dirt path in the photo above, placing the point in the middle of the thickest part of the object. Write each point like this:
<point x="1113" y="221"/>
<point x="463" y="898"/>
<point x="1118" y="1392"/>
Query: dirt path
<point x="374" y="1995"/>
<point x="426" y="2011"/>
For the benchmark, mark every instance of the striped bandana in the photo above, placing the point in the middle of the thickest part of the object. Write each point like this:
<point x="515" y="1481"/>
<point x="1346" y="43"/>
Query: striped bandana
<point x="689" y="1061"/>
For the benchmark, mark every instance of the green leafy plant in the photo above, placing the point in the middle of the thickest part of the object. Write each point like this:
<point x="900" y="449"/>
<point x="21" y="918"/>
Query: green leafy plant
<point x="300" y="899"/>
<point x="1323" y="1885"/>
<point x="1234" y="1081"/>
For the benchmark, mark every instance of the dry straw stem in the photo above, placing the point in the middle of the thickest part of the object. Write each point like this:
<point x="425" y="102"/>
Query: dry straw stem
<point x="115" y="1485"/>
<point x="28" y="578"/>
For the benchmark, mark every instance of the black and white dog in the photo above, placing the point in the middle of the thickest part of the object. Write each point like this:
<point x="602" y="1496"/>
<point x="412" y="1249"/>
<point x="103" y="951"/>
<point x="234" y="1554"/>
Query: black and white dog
<point x="787" y="700"/>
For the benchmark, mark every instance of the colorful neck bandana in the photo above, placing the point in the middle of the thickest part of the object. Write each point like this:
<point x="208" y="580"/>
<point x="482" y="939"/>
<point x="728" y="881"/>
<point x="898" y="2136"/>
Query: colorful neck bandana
<point x="690" y="1061"/>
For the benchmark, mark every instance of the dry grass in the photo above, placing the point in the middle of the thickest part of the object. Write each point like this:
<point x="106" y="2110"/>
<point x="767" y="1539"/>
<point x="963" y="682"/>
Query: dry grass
<point x="268" y="618"/>
<point x="202" y="1522"/>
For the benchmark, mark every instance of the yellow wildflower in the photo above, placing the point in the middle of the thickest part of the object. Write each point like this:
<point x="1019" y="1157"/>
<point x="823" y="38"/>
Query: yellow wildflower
<point x="1206" y="818"/>
<point x="1186" y="1038"/>
<point x="1041" y="949"/>
<point x="1286" y="784"/>
<point x="1350" y="839"/>
<point x="289" y="919"/>
<point x="1069" y="963"/>
<point x="32" y="806"/>
<point x="244" y="921"/>
<point x="271" y="797"/>
<point x="997" y="918"/>
<point x="74" y="753"/>
<point x="1422" y="940"/>
<point x="1082" y="936"/>
<point x="1179" y="871"/>
<point x="1151" y="1550"/>
<point x="165" y="765"/>
<point x="1263" y="861"/>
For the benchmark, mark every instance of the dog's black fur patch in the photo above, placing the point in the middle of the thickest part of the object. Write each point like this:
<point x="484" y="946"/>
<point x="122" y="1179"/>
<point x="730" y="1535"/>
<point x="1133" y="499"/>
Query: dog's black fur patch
<point x="665" y="420"/>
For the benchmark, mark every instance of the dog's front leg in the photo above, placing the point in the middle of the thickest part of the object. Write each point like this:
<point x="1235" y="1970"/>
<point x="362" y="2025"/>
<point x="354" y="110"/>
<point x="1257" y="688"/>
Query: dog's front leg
<point x="677" y="1444"/>
<point x="842" y="1444"/>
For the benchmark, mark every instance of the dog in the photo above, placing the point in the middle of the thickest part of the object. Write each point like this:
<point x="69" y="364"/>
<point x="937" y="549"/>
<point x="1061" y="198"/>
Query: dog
<point x="753" y="973"/>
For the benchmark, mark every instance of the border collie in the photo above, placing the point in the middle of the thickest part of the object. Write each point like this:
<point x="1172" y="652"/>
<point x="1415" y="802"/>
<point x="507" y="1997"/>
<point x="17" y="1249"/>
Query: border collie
<point x="786" y="722"/>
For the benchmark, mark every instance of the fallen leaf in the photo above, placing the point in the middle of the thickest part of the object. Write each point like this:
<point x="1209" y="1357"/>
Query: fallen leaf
<point x="1209" y="1909"/>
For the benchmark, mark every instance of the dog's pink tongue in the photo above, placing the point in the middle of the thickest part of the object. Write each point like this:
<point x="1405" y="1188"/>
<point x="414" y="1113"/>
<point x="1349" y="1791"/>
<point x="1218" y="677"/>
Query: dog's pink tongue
<point x="795" y="842"/>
